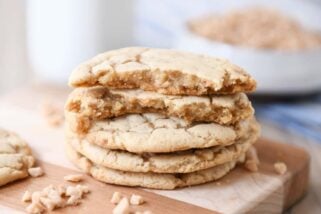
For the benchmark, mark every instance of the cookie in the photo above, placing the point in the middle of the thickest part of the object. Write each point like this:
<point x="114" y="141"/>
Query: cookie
<point x="175" y="162"/>
<point x="155" y="133"/>
<point x="164" y="71"/>
<point x="149" y="179"/>
<point x="101" y="103"/>
<point x="15" y="157"/>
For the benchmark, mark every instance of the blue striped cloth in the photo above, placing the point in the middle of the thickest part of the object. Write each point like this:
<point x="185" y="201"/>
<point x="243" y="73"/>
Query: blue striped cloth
<point x="300" y="117"/>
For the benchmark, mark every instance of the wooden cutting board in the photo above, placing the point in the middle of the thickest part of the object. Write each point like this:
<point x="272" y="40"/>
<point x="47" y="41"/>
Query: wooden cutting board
<point x="273" y="197"/>
<point x="238" y="192"/>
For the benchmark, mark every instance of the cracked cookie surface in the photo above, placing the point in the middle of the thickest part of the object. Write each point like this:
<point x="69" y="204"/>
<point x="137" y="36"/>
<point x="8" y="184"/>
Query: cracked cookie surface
<point x="149" y="179"/>
<point x="15" y="157"/>
<point x="155" y="133"/>
<point x="175" y="162"/>
<point x="164" y="71"/>
<point x="101" y="103"/>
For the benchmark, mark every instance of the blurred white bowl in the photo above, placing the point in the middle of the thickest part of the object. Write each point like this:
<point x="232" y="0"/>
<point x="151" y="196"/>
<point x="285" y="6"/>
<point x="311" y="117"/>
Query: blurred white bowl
<point x="276" y="72"/>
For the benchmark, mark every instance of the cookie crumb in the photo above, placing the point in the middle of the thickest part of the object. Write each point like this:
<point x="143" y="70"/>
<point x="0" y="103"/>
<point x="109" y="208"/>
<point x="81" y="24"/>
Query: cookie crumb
<point x="26" y="196"/>
<point x="252" y="160"/>
<point x="35" y="197"/>
<point x="52" y="113"/>
<point x="55" y="197"/>
<point x="46" y="191"/>
<point x="73" y="178"/>
<point x="251" y="165"/>
<point x="73" y="200"/>
<point x="35" y="208"/>
<point x="122" y="207"/>
<point x="83" y="188"/>
<point x="136" y="200"/>
<point x="73" y="191"/>
<point x="115" y="198"/>
<point x="35" y="172"/>
<point x="280" y="168"/>
<point x="61" y="190"/>
<point x="49" y="204"/>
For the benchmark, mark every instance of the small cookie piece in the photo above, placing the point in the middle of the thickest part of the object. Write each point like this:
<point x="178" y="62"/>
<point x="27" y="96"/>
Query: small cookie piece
<point x="83" y="188"/>
<point x="52" y="113"/>
<point x="73" y="178"/>
<point x="35" y="208"/>
<point x="99" y="103"/>
<point x="46" y="191"/>
<point x="35" y="172"/>
<point x="48" y="203"/>
<point x="280" y="168"/>
<point x="26" y="196"/>
<point x="35" y="196"/>
<point x="61" y="190"/>
<point x="122" y="207"/>
<point x="251" y="165"/>
<point x="115" y="198"/>
<point x="73" y="200"/>
<point x="52" y="197"/>
<point x="15" y="157"/>
<point x="73" y="191"/>
<point x="55" y="197"/>
<point x="163" y="71"/>
<point x="136" y="200"/>
<point x="75" y="194"/>
<point x="252" y="160"/>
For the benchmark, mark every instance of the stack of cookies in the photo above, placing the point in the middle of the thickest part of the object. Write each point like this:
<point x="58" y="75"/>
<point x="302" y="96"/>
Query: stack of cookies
<point x="158" y="118"/>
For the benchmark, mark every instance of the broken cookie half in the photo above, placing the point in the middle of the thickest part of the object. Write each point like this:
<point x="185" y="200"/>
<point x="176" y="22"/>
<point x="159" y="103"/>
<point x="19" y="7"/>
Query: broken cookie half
<point x="15" y="157"/>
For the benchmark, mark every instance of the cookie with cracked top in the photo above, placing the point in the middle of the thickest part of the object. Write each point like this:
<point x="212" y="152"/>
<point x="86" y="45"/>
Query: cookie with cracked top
<point x="155" y="133"/>
<point x="164" y="71"/>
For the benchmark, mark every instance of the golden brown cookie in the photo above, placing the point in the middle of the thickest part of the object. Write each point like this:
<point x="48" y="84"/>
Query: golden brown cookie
<point x="155" y="133"/>
<point x="174" y="162"/>
<point x="149" y="179"/>
<point x="101" y="103"/>
<point x="164" y="71"/>
<point x="15" y="157"/>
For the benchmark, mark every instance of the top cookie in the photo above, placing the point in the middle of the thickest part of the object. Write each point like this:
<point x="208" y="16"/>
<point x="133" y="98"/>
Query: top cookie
<point x="164" y="71"/>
